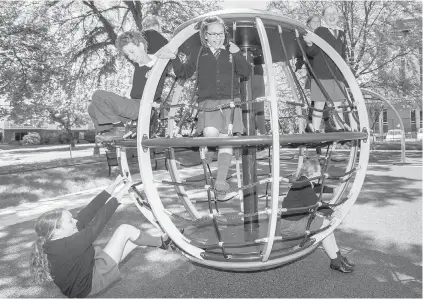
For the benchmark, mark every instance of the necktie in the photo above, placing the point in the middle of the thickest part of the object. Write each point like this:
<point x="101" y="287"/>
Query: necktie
<point x="216" y="54"/>
<point x="334" y="32"/>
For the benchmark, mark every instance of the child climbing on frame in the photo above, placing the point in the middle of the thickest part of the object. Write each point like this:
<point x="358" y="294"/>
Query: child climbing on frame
<point x="220" y="67"/>
<point x="64" y="251"/>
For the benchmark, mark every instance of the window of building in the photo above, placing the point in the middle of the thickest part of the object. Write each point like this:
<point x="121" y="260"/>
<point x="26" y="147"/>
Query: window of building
<point x="413" y="120"/>
<point x="19" y="136"/>
<point x="385" y="120"/>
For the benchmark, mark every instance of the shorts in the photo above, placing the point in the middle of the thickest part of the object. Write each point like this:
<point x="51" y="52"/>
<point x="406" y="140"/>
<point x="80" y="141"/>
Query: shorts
<point x="105" y="271"/>
<point x="298" y="227"/>
<point x="332" y="89"/>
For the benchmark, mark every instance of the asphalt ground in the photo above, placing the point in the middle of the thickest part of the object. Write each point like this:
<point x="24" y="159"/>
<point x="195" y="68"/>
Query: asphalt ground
<point x="382" y="234"/>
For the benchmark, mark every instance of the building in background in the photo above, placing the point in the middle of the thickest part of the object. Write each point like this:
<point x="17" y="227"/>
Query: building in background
<point x="12" y="132"/>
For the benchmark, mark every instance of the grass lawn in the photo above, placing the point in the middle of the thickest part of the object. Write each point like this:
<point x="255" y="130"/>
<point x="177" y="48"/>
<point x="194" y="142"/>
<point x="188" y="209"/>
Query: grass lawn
<point x="35" y="185"/>
<point x="59" y="178"/>
<point x="409" y="145"/>
<point x="31" y="182"/>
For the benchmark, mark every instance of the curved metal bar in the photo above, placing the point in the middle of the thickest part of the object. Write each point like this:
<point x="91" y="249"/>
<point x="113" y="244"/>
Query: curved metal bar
<point x="254" y="265"/>
<point x="238" y="141"/>
<point x="275" y="139"/>
<point x="230" y="15"/>
<point x="194" y="253"/>
<point x="171" y="161"/>
<point x="372" y="93"/>
<point x="144" y="155"/>
<point x="343" y="210"/>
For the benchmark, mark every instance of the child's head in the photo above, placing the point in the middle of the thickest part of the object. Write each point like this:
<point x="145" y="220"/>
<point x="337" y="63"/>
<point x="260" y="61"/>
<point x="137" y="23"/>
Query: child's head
<point x="151" y="23"/>
<point x="313" y="22"/>
<point x="330" y="14"/>
<point x="213" y="32"/>
<point x="133" y="45"/>
<point x="310" y="168"/>
<point x="45" y="228"/>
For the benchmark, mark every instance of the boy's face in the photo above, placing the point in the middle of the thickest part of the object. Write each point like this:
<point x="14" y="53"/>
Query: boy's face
<point x="135" y="53"/>
<point x="215" y="35"/>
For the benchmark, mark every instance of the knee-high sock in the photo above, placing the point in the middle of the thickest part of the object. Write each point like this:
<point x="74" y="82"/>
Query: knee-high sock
<point x="223" y="164"/>
<point x="148" y="240"/>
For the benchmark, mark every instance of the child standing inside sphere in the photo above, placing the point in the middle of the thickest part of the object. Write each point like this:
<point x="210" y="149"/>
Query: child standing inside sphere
<point x="220" y="67"/>
<point x="335" y="37"/>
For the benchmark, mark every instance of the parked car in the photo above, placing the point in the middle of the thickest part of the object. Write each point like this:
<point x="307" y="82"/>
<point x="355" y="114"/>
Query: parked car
<point x="393" y="135"/>
<point x="420" y="134"/>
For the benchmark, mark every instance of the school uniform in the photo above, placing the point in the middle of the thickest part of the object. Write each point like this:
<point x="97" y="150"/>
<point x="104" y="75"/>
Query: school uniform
<point x="77" y="267"/>
<point x="336" y="38"/>
<point x="215" y="83"/>
<point x="108" y="107"/>
<point x="301" y="194"/>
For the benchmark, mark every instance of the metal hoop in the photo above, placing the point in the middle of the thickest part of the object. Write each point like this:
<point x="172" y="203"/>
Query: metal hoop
<point x="194" y="253"/>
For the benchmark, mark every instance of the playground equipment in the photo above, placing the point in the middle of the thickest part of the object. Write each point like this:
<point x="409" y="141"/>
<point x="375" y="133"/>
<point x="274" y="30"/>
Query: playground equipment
<point x="243" y="236"/>
<point x="378" y="101"/>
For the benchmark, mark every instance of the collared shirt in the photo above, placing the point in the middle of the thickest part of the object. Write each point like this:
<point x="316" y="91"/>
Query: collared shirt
<point x="333" y="29"/>
<point x="213" y="50"/>
<point x="151" y="62"/>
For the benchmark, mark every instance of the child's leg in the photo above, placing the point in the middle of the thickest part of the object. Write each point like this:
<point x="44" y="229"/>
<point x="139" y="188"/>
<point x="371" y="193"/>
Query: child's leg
<point x="118" y="246"/>
<point x="340" y="112"/>
<point x="317" y="115"/>
<point x="210" y="132"/>
<point x="330" y="246"/>
<point x="223" y="159"/>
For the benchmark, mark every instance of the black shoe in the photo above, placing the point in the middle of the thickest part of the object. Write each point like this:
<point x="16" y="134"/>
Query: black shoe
<point x="342" y="267"/>
<point x="346" y="261"/>
<point x="330" y="129"/>
<point x="113" y="134"/>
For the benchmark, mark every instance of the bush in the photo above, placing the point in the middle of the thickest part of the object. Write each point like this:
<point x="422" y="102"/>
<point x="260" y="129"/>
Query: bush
<point x="89" y="136"/>
<point x="50" y="138"/>
<point x="64" y="137"/>
<point x="32" y="138"/>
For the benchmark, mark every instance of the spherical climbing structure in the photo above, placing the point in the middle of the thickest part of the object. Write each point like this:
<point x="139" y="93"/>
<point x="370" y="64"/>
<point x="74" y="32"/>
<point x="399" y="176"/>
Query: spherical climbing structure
<point x="243" y="234"/>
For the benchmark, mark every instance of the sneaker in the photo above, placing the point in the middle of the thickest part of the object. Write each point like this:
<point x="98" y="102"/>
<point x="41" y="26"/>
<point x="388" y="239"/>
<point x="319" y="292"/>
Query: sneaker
<point x="113" y="134"/>
<point x="342" y="267"/>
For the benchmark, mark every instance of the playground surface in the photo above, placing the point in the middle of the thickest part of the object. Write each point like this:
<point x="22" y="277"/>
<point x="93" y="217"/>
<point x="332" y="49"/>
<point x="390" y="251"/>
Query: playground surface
<point x="382" y="234"/>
